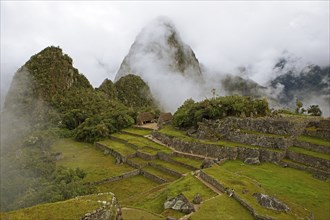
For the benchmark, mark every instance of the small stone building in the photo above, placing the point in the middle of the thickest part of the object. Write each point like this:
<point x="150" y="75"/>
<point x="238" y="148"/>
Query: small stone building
<point x="164" y="119"/>
<point x="144" y="117"/>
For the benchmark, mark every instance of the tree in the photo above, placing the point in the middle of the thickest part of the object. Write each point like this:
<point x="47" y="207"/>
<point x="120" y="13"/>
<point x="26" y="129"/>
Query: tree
<point x="314" y="110"/>
<point x="299" y="105"/>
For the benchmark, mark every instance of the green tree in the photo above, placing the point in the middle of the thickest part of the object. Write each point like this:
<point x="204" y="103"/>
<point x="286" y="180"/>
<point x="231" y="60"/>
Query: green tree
<point x="314" y="110"/>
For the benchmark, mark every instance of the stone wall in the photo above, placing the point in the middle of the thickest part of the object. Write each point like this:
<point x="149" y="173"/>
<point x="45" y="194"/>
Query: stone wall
<point x="135" y="165"/>
<point x="165" y="169"/>
<point x="145" y="156"/>
<point x="120" y="158"/>
<point x="153" y="177"/>
<point x="218" y="151"/>
<point x="312" y="147"/>
<point x="116" y="178"/>
<point x="167" y="158"/>
<point x="315" y="162"/>
<point x="270" y="125"/>
<point x="190" y="156"/>
<point x="323" y="134"/>
<point x="279" y="143"/>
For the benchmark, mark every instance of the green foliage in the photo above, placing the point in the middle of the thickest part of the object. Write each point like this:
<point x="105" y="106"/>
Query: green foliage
<point x="108" y="88"/>
<point x="314" y="110"/>
<point x="134" y="92"/>
<point x="190" y="113"/>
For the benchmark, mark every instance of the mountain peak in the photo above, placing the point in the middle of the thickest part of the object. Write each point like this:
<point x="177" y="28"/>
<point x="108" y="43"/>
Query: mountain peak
<point x="158" y="49"/>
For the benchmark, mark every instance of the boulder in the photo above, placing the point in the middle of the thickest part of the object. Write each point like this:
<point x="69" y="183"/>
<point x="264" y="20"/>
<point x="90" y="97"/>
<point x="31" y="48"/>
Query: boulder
<point x="179" y="203"/>
<point x="252" y="161"/>
<point x="197" y="199"/>
<point x="207" y="163"/>
<point x="270" y="202"/>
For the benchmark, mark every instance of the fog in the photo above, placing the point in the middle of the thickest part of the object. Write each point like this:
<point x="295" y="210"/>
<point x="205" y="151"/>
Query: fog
<point x="223" y="35"/>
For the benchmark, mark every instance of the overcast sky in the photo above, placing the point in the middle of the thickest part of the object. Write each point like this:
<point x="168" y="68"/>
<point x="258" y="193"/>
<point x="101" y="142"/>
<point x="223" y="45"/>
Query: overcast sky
<point x="223" y="35"/>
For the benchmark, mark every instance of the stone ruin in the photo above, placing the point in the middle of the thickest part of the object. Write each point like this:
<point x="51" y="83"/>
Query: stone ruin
<point x="270" y="202"/>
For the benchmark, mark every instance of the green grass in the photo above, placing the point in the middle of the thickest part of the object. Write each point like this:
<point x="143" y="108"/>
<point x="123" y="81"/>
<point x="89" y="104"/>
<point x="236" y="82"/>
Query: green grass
<point x="188" y="161"/>
<point x="126" y="188"/>
<point x="139" y="161"/>
<point x="85" y="156"/>
<point x="175" y="167"/>
<point x="314" y="140"/>
<point x="160" y="173"/>
<point x="142" y="142"/>
<point x="310" y="153"/>
<point x="118" y="147"/>
<point x="139" y="214"/>
<point x="142" y="132"/>
<point x="154" y="199"/>
<point x="296" y="188"/>
<point x="221" y="207"/>
<point x="69" y="209"/>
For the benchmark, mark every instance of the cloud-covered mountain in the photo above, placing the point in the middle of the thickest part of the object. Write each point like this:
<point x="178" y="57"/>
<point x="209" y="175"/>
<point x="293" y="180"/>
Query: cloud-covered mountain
<point x="165" y="62"/>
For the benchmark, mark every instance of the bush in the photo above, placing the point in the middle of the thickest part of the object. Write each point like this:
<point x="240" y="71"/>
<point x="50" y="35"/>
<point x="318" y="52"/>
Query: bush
<point x="190" y="113"/>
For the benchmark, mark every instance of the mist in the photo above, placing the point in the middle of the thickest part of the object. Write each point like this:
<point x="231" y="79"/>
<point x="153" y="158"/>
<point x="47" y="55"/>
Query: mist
<point x="223" y="35"/>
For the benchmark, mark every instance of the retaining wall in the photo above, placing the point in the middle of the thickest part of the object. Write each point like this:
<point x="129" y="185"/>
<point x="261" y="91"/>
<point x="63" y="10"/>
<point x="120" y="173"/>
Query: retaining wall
<point x="312" y="147"/>
<point x="153" y="177"/>
<point x="116" y="178"/>
<point x="165" y="169"/>
<point x="315" y="162"/>
<point x="146" y="156"/>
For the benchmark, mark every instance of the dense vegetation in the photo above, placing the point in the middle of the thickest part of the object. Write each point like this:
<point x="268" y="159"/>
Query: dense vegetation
<point x="191" y="112"/>
<point x="49" y="99"/>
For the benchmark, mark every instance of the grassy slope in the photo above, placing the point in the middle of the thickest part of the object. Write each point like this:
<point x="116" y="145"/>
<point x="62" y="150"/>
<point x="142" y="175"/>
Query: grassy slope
<point x="118" y="147"/>
<point x="177" y="168"/>
<point x="289" y="185"/>
<point x="85" y="156"/>
<point x="154" y="199"/>
<point x="139" y="214"/>
<point x="69" y="209"/>
<point x="221" y="207"/>
<point x="123" y="189"/>
<point x="191" y="162"/>
<point x="160" y="173"/>
<point x="314" y="140"/>
<point x="142" y="142"/>
<point x="310" y="153"/>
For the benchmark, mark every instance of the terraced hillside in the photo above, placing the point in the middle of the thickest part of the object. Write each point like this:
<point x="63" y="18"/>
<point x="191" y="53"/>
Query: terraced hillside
<point x="148" y="169"/>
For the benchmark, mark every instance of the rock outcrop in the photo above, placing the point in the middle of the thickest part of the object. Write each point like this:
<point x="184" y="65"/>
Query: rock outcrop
<point x="179" y="203"/>
<point x="270" y="202"/>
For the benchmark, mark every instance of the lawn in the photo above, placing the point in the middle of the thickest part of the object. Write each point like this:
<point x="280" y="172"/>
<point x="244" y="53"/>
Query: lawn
<point x="142" y="142"/>
<point x="154" y="199"/>
<point x="175" y="167"/>
<point x="314" y="140"/>
<point x="118" y="147"/>
<point x="69" y="209"/>
<point x="310" y="153"/>
<point x="188" y="161"/>
<point x="296" y="188"/>
<point x="139" y="214"/>
<point x="221" y="207"/>
<point x="85" y="156"/>
<point x="160" y="173"/>
<point x="126" y="188"/>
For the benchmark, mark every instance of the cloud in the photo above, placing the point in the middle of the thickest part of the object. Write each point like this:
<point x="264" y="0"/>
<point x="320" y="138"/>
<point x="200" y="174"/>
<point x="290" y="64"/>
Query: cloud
<point x="223" y="35"/>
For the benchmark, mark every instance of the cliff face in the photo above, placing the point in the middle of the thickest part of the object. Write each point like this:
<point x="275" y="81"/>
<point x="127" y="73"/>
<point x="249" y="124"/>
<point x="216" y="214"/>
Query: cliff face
<point x="159" y="49"/>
